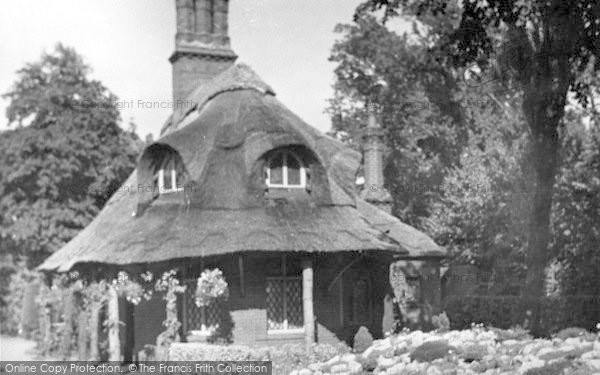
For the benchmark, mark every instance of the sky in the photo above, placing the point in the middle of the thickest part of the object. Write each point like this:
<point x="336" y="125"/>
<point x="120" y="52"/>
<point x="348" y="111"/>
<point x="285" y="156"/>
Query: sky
<point x="128" y="42"/>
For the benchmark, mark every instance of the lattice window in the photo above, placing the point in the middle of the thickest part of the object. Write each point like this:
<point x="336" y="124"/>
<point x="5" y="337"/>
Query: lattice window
<point x="203" y="318"/>
<point x="284" y="304"/>
<point x="285" y="170"/>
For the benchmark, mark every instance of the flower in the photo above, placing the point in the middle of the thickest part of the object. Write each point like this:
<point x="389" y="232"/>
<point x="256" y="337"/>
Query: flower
<point x="211" y="285"/>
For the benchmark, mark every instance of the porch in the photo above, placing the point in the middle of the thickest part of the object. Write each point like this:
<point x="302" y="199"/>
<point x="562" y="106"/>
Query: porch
<point x="277" y="298"/>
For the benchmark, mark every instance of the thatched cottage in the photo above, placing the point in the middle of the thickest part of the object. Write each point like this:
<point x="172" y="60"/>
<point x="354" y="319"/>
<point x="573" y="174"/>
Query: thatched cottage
<point x="238" y="182"/>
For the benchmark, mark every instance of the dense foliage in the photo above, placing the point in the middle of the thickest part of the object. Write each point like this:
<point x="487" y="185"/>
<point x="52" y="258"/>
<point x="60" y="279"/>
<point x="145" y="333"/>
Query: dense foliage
<point x="542" y="49"/>
<point x="483" y="154"/>
<point x="64" y="157"/>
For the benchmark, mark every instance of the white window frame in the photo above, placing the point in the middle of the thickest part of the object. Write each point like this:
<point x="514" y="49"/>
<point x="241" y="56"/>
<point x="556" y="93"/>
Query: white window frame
<point x="161" y="180"/>
<point x="284" y="171"/>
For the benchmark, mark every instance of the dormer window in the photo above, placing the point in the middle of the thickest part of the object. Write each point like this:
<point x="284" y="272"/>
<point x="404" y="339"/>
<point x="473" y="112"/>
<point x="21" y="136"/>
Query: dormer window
<point x="169" y="178"/>
<point x="285" y="170"/>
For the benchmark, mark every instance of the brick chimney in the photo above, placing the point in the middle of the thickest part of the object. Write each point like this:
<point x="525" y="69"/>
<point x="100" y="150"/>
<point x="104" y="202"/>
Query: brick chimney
<point x="374" y="191"/>
<point x="202" y="47"/>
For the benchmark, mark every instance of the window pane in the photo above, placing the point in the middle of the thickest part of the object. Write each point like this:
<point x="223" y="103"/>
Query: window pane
<point x="180" y="179"/>
<point x="293" y="169"/>
<point x="275" y="315"/>
<point x="293" y="295"/>
<point x="284" y="303"/>
<point x="195" y="317"/>
<point x="276" y="170"/>
<point x="155" y="186"/>
<point x="167" y="180"/>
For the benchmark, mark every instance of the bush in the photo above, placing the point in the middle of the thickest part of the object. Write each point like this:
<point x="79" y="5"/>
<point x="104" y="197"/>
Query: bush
<point x="19" y="281"/>
<point x="571" y="332"/>
<point x="431" y="351"/>
<point x="514" y="333"/>
<point x="473" y="353"/>
<point x="285" y="358"/>
<point x="209" y="352"/>
<point x="509" y="311"/>
<point x="7" y="269"/>
<point x="31" y="310"/>
<point x="441" y="322"/>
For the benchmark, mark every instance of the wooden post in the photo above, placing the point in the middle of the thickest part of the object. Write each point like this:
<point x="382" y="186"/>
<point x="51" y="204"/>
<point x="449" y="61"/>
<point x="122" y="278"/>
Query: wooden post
<point x="94" y="327"/>
<point x="307" y="303"/>
<point x="114" y="342"/>
<point x="69" y="313"/>
<point x="129" y="344"/>
<point x="46" y="327"/>
<point x="82" y="330"/>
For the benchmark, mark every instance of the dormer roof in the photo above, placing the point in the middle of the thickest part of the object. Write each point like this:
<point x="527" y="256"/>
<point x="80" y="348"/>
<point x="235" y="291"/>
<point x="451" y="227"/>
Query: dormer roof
<point x="231" y="122"/>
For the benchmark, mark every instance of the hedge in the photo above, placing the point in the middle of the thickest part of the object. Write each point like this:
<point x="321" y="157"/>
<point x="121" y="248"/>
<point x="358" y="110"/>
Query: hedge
<point x="509" y="311"/>
<point x="285" y="358"/>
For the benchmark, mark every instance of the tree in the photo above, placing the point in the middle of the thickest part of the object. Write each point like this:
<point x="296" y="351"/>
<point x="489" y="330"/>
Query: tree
<point x="576" y="209"/>
<point x="481" y="214"/>
<point x="64" y="157"/>
<point x="378" y="66"/>
<point x="542" y="47"/>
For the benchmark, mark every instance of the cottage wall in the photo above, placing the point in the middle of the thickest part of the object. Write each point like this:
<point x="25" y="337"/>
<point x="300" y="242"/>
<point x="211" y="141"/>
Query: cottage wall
<point x="148" y="318"/>
<point x="336" y="276"/>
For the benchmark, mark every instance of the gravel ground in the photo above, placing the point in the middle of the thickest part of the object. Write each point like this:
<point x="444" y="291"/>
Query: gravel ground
<point x="16" y="349"/>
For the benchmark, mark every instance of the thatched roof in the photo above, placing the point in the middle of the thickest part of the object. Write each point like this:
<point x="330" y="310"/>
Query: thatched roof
<point x="222" y="140"/>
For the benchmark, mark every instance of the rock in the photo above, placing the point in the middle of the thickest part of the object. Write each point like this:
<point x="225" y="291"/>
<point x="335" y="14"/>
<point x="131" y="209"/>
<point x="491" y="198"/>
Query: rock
<point x="415" y="367"/>
<point x="573" y="341"/>
<point x="383" y="343"/>
<point x="531" y="364"/>
<point x="348" y="357"/>
<point x="384" y="362"/>
<point x="546" y="350"/>
<point x="405" y="358"/>
<point x="593" y="363"/>
<point x="333" y="360"/>
<point x="400" y="347"/>
<point x="305" y="371"/>
<point x="433" y="370"/>
<point x="591" y="355"/>
<point x="567" y="348"/>
<point x="354" y="367"/>
<point x="398" y="368"/>
<point x="486" y="336"/>
<point x="315" y="367"/>
<point x="382" y="347"/>
<point x="529" y="348"/>
<point x="338" y="369"/>
<point x="416" y="339"/>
